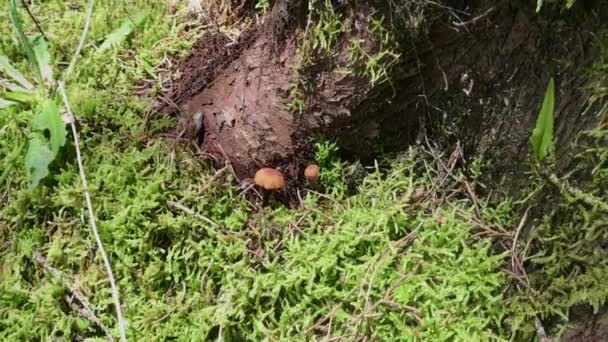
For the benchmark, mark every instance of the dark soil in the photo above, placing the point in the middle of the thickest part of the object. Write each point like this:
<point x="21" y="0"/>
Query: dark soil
<point x="476" y="77"/>
<point x="208" y="57"/>
<point x="593" y="328"/>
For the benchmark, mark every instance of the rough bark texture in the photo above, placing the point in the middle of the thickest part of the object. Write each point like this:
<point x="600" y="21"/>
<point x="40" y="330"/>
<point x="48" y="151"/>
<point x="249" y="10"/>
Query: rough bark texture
<point x="477" y="74"/>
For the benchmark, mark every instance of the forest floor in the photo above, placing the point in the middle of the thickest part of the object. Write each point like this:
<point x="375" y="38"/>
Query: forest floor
<point x="412" y="247"/>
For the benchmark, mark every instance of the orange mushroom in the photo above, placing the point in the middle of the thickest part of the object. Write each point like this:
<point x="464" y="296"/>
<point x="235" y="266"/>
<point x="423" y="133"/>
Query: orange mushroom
<point x="269" y="179"/>
<point x="311" y="172"/>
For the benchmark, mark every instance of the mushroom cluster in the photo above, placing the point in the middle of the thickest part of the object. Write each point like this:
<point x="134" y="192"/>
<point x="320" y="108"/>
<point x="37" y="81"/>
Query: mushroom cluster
<point x="271" y="180"/>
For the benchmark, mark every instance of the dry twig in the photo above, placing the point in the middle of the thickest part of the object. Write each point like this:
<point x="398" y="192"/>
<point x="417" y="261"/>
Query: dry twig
<point x="85" y="30"/>
<point x="189" y="211"/>
<point x="519" y="272"/>
<point x="85" y="308"/>
<point x="115" y="294"/>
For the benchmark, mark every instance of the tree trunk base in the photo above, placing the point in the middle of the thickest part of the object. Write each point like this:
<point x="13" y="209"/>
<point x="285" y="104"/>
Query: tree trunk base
<point x="477" y="78"/>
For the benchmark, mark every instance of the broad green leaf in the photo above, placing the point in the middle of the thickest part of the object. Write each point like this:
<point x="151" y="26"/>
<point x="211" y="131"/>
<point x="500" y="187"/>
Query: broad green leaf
<point x="542" y="137"/>
<point x="125" y="29"/>
<point x="43" y="59"/>
<point x="49" y="118"/>
<point x="7" y="68"/>
<point x="37" y="160"/>
<point x="23" y="39"/>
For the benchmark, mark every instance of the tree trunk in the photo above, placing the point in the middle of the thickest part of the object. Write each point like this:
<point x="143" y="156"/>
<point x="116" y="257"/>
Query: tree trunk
<point x="469" y="71"/>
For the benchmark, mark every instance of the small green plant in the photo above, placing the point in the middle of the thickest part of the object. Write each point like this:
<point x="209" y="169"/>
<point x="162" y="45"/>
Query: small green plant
<point x="324" y="29"/>
<point x="296" y="104"/>
<point x="124" y="30"/>
<point x="262" y="5"/>
<point x="542" y="136"/>
<point x="48" y="132"/>
<point x="374" y="65"/>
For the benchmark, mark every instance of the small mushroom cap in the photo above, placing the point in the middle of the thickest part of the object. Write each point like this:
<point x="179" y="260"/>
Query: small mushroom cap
<point x="269" y="179"/>
<point x="311" y="171"/>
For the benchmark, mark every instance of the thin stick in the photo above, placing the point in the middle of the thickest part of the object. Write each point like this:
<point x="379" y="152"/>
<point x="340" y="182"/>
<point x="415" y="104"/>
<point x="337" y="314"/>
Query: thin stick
<point x="121" y="321"/>
<point x="86" y="310"/>
<point x="540" y="330"/>
<point x="474" y="19"/>
<point x="514" y="259"/>
<point x="85" y="30"/>
<point x="187" y="210"/>
<point x="37" y="24"/>
<point x="519" y="270"/>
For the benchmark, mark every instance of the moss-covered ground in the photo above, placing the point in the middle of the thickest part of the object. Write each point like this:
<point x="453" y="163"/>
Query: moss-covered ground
<point x="412" y="251"/>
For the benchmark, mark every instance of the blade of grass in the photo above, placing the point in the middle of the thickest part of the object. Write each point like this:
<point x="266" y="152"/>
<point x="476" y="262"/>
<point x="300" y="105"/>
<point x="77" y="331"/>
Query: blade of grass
<point x="17" y="21"/>
<point x="17" y="96"/>
<point x="542" y="136"/>
<point x="16" y="75"/>
<point x="6" y="103"/>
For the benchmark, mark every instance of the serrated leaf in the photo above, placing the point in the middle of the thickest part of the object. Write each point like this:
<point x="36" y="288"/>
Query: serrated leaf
<point x="542" y="136"/>
<point x="15" y="16"/>
<point x="37" y="160"/>
<point x="49" y="118"/>
<point x="43" y="59"/>
<point x="125" y="29"/>
<point x="16" y="75"/>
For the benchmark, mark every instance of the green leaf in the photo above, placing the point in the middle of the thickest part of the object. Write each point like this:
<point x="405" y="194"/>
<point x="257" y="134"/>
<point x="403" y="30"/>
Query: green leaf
<point x="542" y="137"/>
<point x="6" y="103"/>
<point x="49" y="118"/>
<point x="37" y="160"/>
<point x="7" y="68"/>
<point x="125" y="29"/>
<point x="43" y="59"/>
<point x="18" y="96"/>
<point x="23" y="39"/>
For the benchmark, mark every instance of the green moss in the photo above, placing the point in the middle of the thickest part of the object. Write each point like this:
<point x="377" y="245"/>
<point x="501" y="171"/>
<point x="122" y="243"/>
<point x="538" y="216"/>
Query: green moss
<point x="371" y="52"/>
<point x="376" y="262"/>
